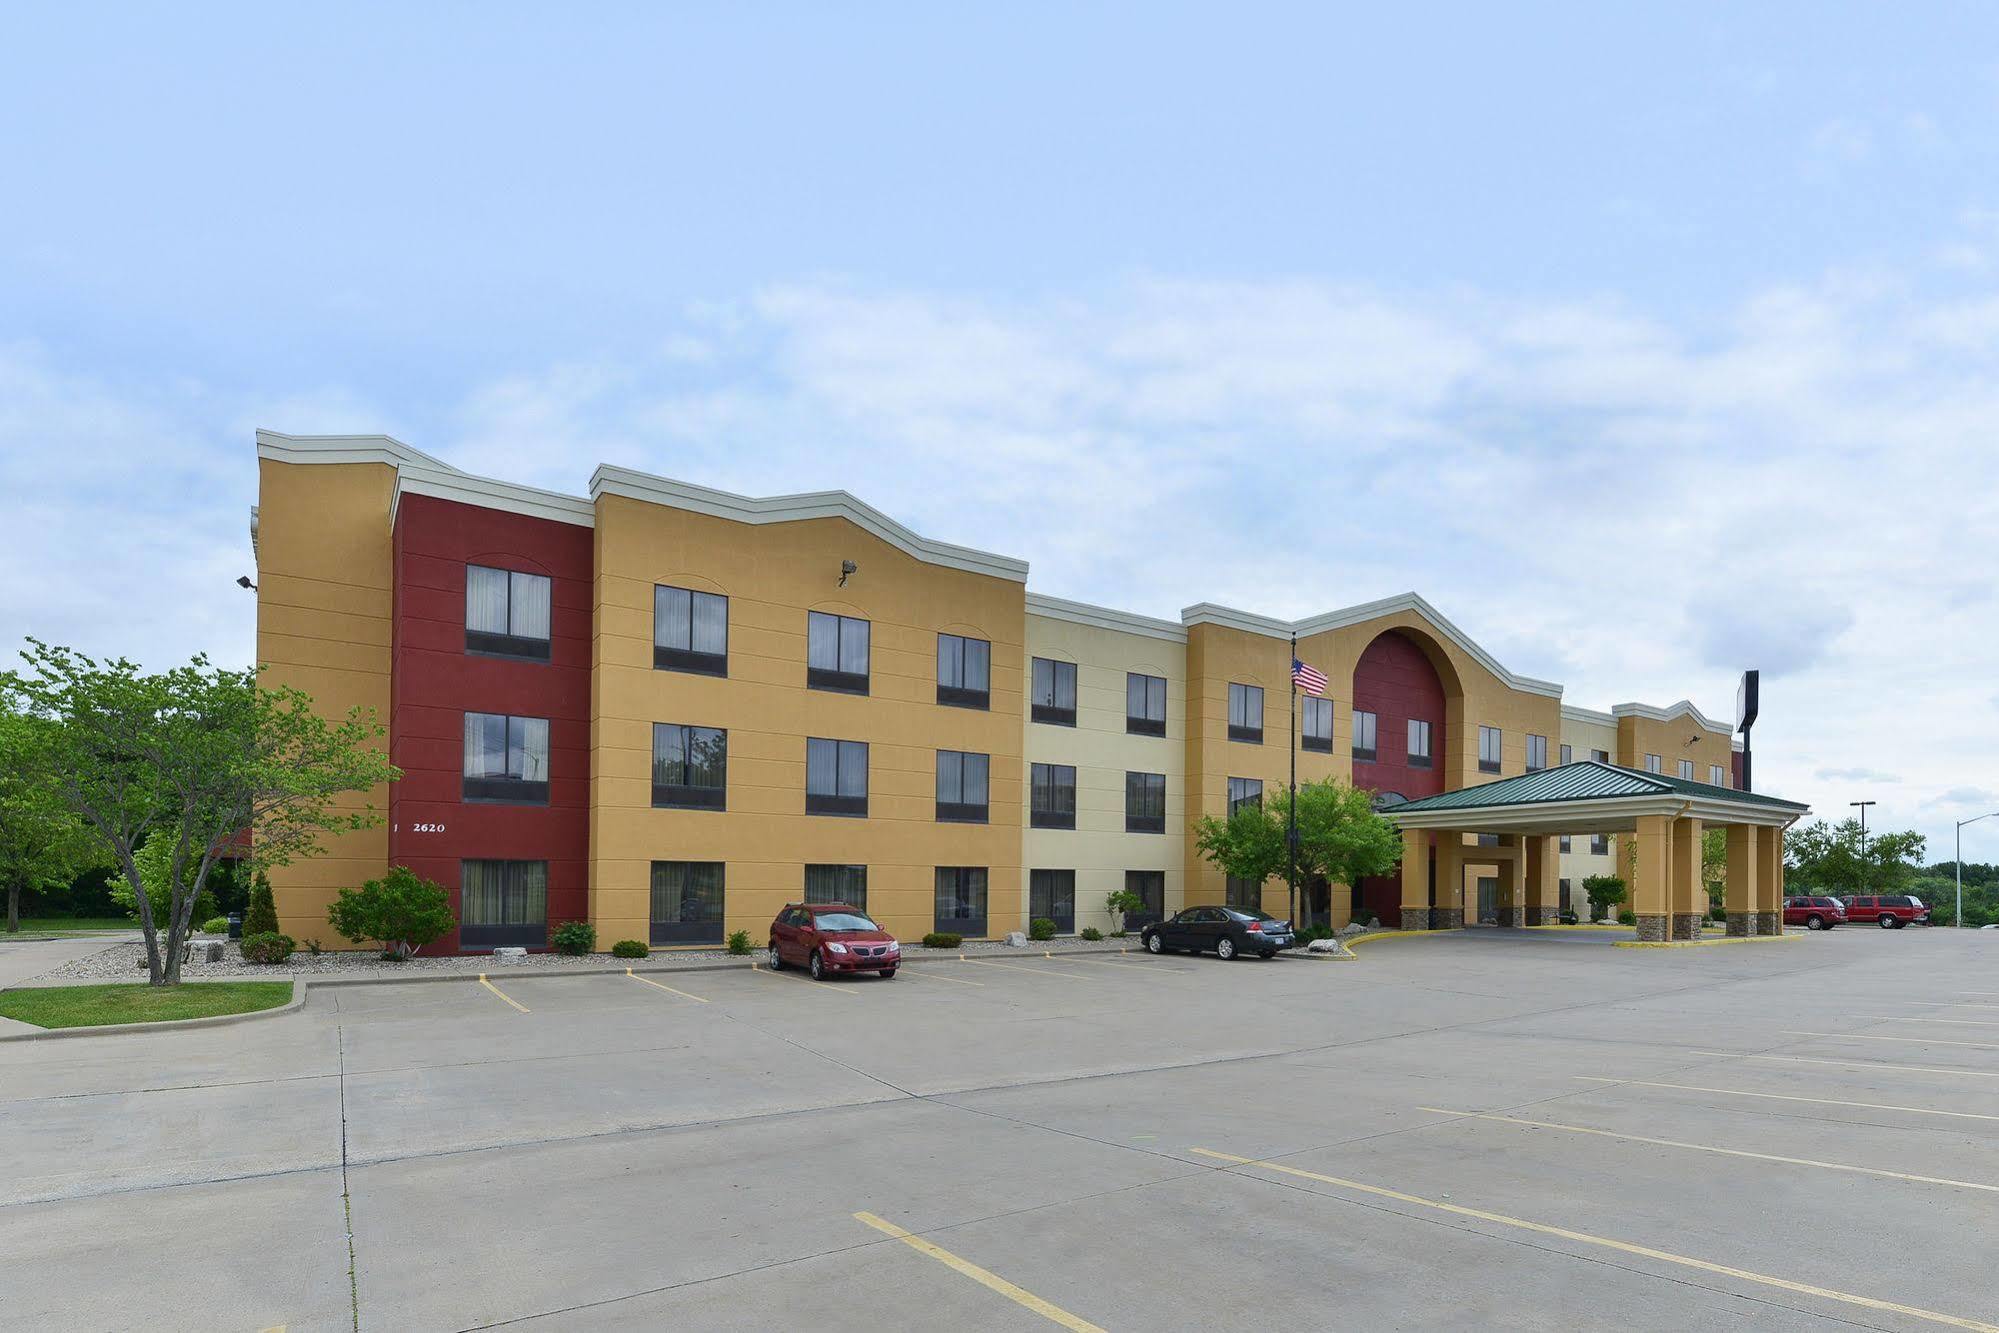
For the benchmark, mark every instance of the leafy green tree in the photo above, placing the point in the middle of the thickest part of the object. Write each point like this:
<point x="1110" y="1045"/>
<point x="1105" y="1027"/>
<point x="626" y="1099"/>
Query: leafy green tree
<point x="43" y="845"/>
<point x="1605" y="892"/>
<point x="155" y="861"/>
<point x="261" y="917"/>
<point x="1830" y="859"/>
<point x="194" y="755"/>
<point x="1339" y="837"/>
<point x="401" y="912"/>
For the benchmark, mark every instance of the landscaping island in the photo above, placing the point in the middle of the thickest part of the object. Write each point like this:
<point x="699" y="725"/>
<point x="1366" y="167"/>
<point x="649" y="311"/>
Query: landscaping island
<point x="136" y="1002"/>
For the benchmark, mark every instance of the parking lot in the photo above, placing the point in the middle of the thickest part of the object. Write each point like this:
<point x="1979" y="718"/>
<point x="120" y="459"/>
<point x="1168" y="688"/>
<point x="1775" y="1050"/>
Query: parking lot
<point x="1488" y="1129"/>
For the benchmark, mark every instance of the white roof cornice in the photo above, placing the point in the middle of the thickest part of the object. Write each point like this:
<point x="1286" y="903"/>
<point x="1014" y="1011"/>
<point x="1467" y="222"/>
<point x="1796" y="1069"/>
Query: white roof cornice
<point x="1572" y="713"/>
<point x="608" y="480"/>
<point x="1684" y="708"/>
<point x="417" y="473"/>
<point x="1102" y="617"/>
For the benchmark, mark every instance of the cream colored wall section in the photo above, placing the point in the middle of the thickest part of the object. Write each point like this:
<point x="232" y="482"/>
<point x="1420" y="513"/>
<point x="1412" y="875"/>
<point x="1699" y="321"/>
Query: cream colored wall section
<point x="1583" y="735"/>
<point x="773" y="573"/>
<point x="1098" y="849"/>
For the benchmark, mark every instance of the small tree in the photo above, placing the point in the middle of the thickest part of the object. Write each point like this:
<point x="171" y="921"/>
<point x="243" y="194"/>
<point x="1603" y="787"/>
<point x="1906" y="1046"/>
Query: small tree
<point x="1605" y="892"/>
<point x="401" y="912"/>
<point x="155" y="861"/>
<point x="43" y="845"/>
<point x="1339" y="838"/>
<point x="195" y="755"/>
<point x="261" y="916"/>
<point x="1122" y="903"/>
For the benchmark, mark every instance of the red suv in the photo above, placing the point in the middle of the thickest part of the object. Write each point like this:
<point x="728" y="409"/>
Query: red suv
<point x="825" y="938"/>
<point x="1891" y="911"/>
<point x="1814" y="913"/>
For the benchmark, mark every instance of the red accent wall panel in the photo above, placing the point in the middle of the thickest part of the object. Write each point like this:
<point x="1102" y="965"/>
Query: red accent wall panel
<point x="435" y="682"/>
<point x="1395" y="681"/>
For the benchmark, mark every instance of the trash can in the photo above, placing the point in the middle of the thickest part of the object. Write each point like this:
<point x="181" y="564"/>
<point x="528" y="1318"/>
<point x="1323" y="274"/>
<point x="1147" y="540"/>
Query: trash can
<point x="235" y="925"/>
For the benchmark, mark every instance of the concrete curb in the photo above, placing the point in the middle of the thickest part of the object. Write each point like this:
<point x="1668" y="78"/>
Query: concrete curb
<point x="1703" y="944"/>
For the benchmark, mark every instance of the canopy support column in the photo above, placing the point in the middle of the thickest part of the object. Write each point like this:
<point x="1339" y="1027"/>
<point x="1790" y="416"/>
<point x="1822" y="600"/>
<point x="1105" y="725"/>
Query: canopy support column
<point x="1745" y="903"/>
<point x="1544" y="866"/>
<point x="1690" y="906"/>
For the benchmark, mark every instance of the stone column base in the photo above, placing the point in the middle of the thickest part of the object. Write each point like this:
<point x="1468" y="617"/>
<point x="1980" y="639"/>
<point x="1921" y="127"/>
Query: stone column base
<point x="1769" y="923"/>
<point x="1654" y="929"/>
<point x="1447" y="918"/>
<point x="1745" y="923"/>
<point x="1543" y="916"/>
<point x="1687" y="925"/>
<point x="1415" y="918"/>
<point x="1511" y="916"/>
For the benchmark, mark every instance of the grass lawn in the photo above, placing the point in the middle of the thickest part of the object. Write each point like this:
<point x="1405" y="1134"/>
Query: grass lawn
<point x="69" y="925"/>
<point x="127" y="1002"/>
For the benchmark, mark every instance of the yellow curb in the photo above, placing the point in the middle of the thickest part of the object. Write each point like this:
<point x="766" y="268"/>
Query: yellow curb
<point x="1703" y="944"/>
<point x="1402" y="935"/>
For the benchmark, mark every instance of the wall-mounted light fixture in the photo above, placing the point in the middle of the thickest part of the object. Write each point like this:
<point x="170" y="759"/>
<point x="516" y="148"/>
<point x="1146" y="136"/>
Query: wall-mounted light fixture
<point x="847" y="567"/>
<point x="243" y="581"/>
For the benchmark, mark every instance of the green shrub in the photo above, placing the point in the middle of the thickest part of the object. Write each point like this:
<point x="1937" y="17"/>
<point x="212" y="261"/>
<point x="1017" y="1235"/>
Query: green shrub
<point x="1310" y="933"/>
<point x="1090" y="933"/>
<point x="154" y="860"/>
<point x="267" y="946"/>
<point x="400" y="911"/>
<point x="942" y="939"/>
<point x="629" y="949"/>
<point x="574" y="938"/>
<point x="262" y="916"/>
<point x="312" y="947"/>
<point x="1041" y="928"/>
<point x="739" y="942"/>
<point x="1119" y="934"/>
<point x="215" y="925"/>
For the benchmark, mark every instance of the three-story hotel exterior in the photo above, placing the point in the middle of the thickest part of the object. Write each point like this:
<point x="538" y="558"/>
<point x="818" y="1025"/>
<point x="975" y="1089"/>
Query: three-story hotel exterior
<point x="668" y="711"/>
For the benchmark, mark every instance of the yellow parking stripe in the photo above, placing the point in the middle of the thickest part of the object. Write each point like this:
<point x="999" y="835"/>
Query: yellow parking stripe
<point x="1785" y="1097"/>
<point x="502" y="994"/>
<point x="1853" y="1064"/>
<point x="763" y="971"/>
<point x="657" y="986"/>
<point x="1907" y="1041"/>
<point x="1105" y="962"/>
<point x="1037" y="971"/>
<point x="1053" y="1313"/>
<point x="1931" y="1018"/>
<point x="932" y="976"/>
<point x="1702" y="1147"/>
<point x="1624" y="1247"/>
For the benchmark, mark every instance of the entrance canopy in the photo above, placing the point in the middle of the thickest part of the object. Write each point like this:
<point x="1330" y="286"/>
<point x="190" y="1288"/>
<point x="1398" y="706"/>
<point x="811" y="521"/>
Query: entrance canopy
<point x="1589" y="797"/>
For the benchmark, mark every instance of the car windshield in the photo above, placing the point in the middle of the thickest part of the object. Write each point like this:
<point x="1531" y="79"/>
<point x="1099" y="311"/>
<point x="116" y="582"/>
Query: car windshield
<point x="844" y="921"/>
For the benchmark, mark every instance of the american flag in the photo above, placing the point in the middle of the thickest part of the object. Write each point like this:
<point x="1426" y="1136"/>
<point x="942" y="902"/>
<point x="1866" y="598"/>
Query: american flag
<point x="1309" y="679"/>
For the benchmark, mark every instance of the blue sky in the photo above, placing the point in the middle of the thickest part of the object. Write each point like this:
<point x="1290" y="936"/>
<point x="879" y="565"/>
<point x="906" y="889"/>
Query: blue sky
<point x="1648" y="343"/>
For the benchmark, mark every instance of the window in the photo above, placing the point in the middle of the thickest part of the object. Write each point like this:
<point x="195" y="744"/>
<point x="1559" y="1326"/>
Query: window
<point x="1568" y="901"/>
<point x="1488" y="749"/>
<point x="690" y="631"/>
<point x="506" y="613"/>
<point x="1601" y="756"/>
<point x="1599" y="844"/>
<point x="1051" y="896"/>
<point x="1537" y="753"/>
<point x="1245" y="895"/>
<point x="1245" y="791"/>
<point x="837" y="884"/>
<point x="1565" y="844"/>
<point x="961" y="900"/>
<point x="1568" y="755"/>
<point x="502" y="904"/>
<point x="686" y="902"/>
<point x="1054" y="690"/>
<point x="1144" y="802"/>
<point x="690" y="767"/>
<point x="1419" y="743"/>
<point x="1150" y="886"/>
<point x="1653" y="764"/>
<point x="506" y="759"/>
<point x="1051" y="795"/>
<point x="1488" y="840"/>
<point x="836" y="777"/>
<point x="1687" y="769"/>
<point x="1316" y="728"/>
<point x="836" y="653"/>
<point x="964" y="671"/>
<point x="1144" y="704"/>
<point x="1364" y="725"/>
<point x="961" y="787"/>
<point x="1246" y="713"/>
<point x="1717" y="776"/>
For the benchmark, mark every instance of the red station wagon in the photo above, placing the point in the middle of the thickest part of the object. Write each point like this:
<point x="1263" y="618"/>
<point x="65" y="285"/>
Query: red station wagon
<point x="824" y="938"/>
<point x="1814" y="913"/>
<point x="1891" y="911"/>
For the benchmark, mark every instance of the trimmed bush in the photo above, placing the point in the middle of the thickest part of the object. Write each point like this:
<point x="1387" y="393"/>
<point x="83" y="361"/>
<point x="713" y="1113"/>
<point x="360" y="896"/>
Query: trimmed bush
<point x="574" y="938"/>
<point x="261" y="918"/>
<point x="739" y="942"/>
<point x="267" y="946"/>
<point x="942" y="939"/>
<point x="401" y="911"/>
<point x="1090" y="933"/>
<point x="215" y="925"/>
<point x="1119" y="934"/>
<point x="1041" y="928"/>
<point x="629" y="949"/>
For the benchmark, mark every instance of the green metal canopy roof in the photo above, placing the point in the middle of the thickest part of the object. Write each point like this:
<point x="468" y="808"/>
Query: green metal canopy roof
<point x="1585" y="780"/>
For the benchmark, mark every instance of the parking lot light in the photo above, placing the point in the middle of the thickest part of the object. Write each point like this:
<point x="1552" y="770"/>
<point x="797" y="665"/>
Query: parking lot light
<point x="1958" y="864"/>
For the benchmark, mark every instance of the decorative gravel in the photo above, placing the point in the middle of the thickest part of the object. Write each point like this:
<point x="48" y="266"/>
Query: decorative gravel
<point x="128" y="961"/>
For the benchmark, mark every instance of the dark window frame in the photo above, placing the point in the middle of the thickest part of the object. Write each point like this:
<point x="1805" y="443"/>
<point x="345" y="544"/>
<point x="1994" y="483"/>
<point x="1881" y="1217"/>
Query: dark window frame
<point x="1054" y="712"/>
<point x="1243" y="731"/>
<point x="1599" y="844"/>
<point x="1533" y="767"/>
<point x="1046" y="780"/>
<point x="961" y="695"/>
<point x="845" y="875"/>
<point x="519" y="647"/>
<point x="506" y="789"/>
<point x="1238" y="796"/>
<point x="1491" y="765"/>
<point x="515" y="935"/>
<point x="699" y="931"/>
<point x="1139" y="818"/>
<point x="962" y="811"/>
<point x="847" y="805"/>
<point x="1054" y="888"/>
<point x="1144" y="723"/>
<point x="688" y="795"/>
<point x="1151" y="886"/>
<point x="962" y="888"/>
<point x="1427" y="759"/>
<point x="1366" y="754"/>
<point x="693" y="661"/>
<point x="1319" y="743"/>
<point x="833" y="679"/>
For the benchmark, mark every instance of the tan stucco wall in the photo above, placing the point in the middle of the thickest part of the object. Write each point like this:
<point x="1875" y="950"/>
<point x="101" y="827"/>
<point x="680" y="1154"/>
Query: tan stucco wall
<point x="773" y="574"/>
<point x="1681" y="738"/>
<point x="1583" y="737"/>
<point x="1098" y="849"/>
<point x="325" y="604"/>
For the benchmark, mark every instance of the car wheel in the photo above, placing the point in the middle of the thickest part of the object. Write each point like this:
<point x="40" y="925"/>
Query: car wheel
<point x="1885" y="922"/>
<point x="1153" y="944"/>
<point x="888" y="974"/>
<point x="776" y="959"/>
<point x="1267" y="955"/>
<point x="1814" y="923"/>
<point x="1899" y="923"/>
<point x="817" y="968"/>
<point x="1225" y="950"/>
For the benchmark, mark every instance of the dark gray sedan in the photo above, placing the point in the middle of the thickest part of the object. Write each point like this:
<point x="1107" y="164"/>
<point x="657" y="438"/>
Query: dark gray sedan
<point x="1225" y="931"/>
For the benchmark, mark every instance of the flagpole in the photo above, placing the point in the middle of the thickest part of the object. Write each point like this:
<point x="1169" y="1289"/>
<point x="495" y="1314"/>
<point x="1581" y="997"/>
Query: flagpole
<point x="1291" y="833"/>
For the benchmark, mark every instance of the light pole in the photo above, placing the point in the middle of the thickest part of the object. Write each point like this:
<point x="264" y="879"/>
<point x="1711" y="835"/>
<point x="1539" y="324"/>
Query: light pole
<point x="1863" y="841"/>
<point x="1959" y="865"/>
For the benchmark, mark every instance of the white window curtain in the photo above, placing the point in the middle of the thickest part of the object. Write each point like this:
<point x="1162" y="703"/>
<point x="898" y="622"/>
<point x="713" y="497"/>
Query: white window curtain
<point x="529" y="618"/>
<point x="485" y="600"/>
<point x="503" y="893"/>
<point x="486" y="745"/>
<point x="672" y="619"/>
<point x="527" y="748"/>
<point x="710" y="623"/>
